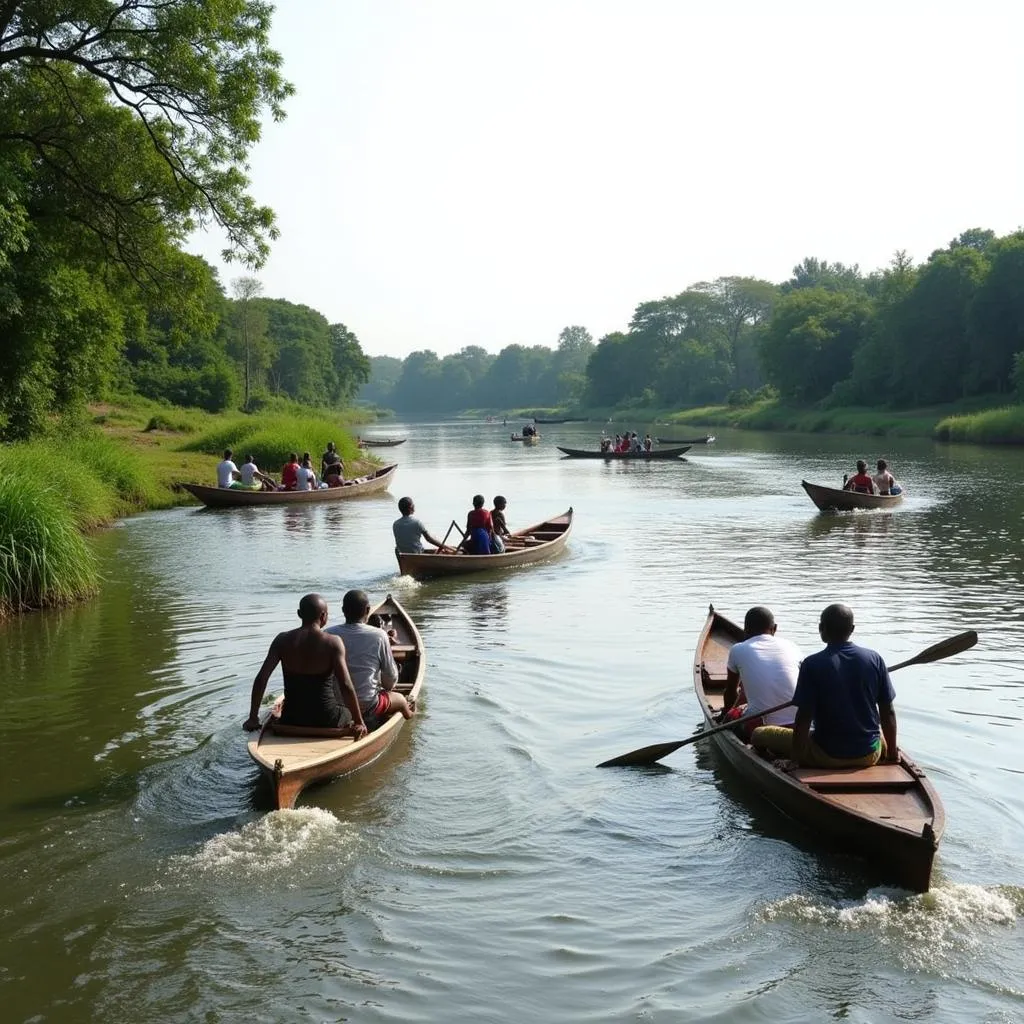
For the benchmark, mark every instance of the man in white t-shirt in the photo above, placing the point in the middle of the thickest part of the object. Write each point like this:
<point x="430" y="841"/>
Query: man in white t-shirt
<point x="227" y="471"/>
<point x="762" y="672"/>
<point x="253" y="478"/>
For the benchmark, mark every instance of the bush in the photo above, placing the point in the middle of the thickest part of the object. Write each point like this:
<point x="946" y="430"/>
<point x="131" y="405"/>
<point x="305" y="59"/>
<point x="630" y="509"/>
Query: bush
<point x="44" y="559"/>
<point x="116" y="466"/>
<point x="739" y="397"/>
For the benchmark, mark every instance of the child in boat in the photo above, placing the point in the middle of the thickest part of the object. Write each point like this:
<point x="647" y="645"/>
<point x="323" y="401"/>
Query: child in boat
<point x="499" y="528"/>
<point x="860" y="481"/>
<point x="885" y="481"/>
<point x="479" y="529"/>
<point x="378" y="621"/>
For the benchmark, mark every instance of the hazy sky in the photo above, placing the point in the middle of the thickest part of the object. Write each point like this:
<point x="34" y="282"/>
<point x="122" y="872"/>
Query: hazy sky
<point x="457" y="172"/>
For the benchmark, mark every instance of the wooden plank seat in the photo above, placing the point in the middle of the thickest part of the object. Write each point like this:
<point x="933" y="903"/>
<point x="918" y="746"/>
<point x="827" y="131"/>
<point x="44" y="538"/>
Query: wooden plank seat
<point x="881" y="776"/>
<point x="402" y="652"/>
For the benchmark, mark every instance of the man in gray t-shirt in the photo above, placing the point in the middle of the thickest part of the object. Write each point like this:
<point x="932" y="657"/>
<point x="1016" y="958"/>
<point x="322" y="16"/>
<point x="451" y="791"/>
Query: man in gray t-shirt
<point x="408" y="530"/>
<point x="370" y="663"/>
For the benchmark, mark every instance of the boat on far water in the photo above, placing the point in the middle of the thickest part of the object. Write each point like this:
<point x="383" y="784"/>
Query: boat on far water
<point x="835" y="499"/>
<point x="661" y="453"/>
<point x="379" y="442"/>
<point x="706" y="439"/>
<point x="234" y="497"/>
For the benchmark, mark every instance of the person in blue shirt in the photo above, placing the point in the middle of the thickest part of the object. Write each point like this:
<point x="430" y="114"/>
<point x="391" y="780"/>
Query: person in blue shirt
<point x="846" y="693"/>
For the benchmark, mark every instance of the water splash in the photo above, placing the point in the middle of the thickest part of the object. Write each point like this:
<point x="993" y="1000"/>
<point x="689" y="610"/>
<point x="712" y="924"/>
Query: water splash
<point x="922" y="929"/>
<point x="276" y="841"/>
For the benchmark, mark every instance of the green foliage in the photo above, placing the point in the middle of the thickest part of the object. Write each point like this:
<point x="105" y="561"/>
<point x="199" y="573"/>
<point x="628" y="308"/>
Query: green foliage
<point x="116" y="465"/>
<point x="993" y="426"/>
<point x="44" y="559"/>
<point x="172" y="422"/>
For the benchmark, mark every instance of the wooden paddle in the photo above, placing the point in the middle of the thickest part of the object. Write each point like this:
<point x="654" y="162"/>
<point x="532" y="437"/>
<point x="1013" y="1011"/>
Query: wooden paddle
<point x="656" y="751"/>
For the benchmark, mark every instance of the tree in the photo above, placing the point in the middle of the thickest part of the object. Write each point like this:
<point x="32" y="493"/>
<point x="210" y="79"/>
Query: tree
<point x="351" y="365"/>
<point x="194" y="75"/>
<point x="995" y="320"/>
<point x="833" y="277"/>
<point x="244" y="289"/>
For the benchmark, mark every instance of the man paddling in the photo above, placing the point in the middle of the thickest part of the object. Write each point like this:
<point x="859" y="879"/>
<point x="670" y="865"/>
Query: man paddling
<point x="408" y="531"/>
<point x="317" y="685"/>
<point x="845" y="690"/>
<point x="762" y="671"/>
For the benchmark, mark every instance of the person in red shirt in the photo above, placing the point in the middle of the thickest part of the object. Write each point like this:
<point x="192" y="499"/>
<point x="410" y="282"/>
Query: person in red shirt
<point x="860" y="481"/>
<point x="479" y="529"/>
<point x="290" y="473"/>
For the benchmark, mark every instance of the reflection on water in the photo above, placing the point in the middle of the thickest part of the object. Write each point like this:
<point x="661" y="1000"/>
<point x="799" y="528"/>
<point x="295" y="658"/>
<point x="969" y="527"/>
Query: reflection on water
<point x="144" y="877"/>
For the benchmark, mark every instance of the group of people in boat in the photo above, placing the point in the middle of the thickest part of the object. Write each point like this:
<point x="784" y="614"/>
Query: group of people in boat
<point x="485" y="534"/>
<point x="296" y="474"/>
<point x="844" y="691"/>
<point x="628" y="442"/>
<point x="335" y="677"/>
<point x="529" y="430"/>
<point x="881" y="482"/>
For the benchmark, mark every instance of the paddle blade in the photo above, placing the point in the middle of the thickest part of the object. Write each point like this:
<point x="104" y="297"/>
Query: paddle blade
<point x="943" y="649"/>
<point x="645" y="755"/>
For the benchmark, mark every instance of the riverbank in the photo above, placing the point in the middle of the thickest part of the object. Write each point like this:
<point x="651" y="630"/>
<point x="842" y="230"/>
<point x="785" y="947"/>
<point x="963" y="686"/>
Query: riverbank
<point x="123" y="457"/>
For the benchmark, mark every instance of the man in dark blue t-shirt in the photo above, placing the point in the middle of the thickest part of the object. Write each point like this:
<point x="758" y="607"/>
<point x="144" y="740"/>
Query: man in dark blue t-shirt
<point x="845" y="691"/>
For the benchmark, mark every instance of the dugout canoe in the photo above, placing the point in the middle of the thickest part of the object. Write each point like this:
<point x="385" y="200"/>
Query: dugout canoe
<point x="661" y="453"/>
<point x="835" y="499"/>
<point x="294" y="761"/>
<point x="373" y="442"/>
<point x="706" y="439"/>
<point x="524" y="547"/>
<point x="233" y="497"/>
<point x="890" y="814"/>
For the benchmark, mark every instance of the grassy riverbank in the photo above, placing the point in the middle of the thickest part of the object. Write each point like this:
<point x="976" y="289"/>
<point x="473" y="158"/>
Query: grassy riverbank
<point x="126" y="457"/>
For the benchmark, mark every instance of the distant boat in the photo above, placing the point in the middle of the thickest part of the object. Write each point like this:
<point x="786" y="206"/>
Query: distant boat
<point x="662" y="453"/>
<point x="374" y="442"/>
<point x="231" y="497"/>
<point x="706" y="439"/>
<point x="537" y="419"/>
<point x="835" y="499"/>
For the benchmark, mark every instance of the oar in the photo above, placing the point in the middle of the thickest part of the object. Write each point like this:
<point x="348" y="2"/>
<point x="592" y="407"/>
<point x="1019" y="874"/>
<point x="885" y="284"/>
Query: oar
<point x="656" y="751"/>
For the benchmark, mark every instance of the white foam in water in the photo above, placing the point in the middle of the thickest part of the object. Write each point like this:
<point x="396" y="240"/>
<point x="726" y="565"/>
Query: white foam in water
<point x="275" y="841"/>
<point x="946" y="919"/>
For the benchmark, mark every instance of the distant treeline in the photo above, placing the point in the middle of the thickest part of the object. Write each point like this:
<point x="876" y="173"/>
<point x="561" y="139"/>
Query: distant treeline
<point x="907" y="335"/>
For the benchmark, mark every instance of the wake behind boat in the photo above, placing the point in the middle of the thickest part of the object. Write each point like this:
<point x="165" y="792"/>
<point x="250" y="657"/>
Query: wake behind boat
<point x="661" y="453"/>
<point x="294" y="758"/>
<point x="533" y="544"/>
<point x="234" y="497"/>
<point x="835" y="499"/>
<point x="890" y="813"/>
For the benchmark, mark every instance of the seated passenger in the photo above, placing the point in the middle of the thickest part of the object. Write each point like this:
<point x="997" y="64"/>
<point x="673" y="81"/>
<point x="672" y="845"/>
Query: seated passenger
<point x="335" y="476"/>
<point x="408" y="530"/>
<point x="860" y="481"/>
<point x="370" y="663"/>
<point x="290" y="473"/>
<point x="479" y="529"/>
<point x="227" y="471"/>
<point x="305" y="475"/>
<point x="330" y="458"/>
<point x="499" y="528"/>
<point x="648" y="443"/>
<point x="380" y="623"/>
<point x="885" y="481"/>
<point x="317" y="685"/>
<point x="253" y="479"/>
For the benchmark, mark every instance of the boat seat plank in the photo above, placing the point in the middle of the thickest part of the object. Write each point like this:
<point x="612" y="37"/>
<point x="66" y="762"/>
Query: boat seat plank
<point x="881" y="776"/>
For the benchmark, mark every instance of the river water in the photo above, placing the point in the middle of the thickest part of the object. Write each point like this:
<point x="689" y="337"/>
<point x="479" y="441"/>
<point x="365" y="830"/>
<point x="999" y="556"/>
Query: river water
<point x="484" y="870"/>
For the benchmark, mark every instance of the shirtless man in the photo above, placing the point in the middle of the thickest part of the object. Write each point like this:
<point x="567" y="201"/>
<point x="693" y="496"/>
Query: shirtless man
<point x="317" y="686"/>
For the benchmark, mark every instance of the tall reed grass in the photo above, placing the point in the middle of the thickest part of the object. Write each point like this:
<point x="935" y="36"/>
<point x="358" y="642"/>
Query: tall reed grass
<point x="270" y="439"/>
<point x="993" y="426"/>
<point x="44" y="559"/>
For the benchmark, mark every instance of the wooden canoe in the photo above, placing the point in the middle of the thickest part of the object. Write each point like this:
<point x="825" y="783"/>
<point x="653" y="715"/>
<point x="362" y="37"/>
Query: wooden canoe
<point x="538" y="419"/>
<point x="373" y="442"/>
<point x="233" y="497"/>
<point x="661" y="453"/>
<point x="524" y="547"/>
<point x="706" y="439"/>
<point x="835" y="499"/>
<point x="291" y="763"/>
<point x="890" y="813"/>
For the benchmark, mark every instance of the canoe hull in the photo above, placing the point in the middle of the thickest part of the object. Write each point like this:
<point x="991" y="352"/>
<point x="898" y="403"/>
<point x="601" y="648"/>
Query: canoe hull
<point x="291" y="763"/>
<point x="834" y="499"/>
<point x="428" y="564"/>
<point x="230" y="497"/>
<point x="706" y="439"/>
<point x="662" y="453"/>
<point x="891" y="814"/>
<point x="370" y="443"/>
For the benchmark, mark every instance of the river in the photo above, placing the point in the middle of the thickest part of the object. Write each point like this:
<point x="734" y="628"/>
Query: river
<point x="484" y="870"/>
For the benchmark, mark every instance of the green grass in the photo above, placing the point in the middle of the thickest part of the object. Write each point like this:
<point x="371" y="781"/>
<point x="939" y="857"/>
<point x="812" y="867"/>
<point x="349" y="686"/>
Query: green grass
<point x="44" y="559"/>
<point x="993" y="426"/>
<point x="116" y="466"/>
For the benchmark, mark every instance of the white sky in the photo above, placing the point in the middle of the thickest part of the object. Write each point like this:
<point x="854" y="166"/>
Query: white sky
<point x="457" y="172"/>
